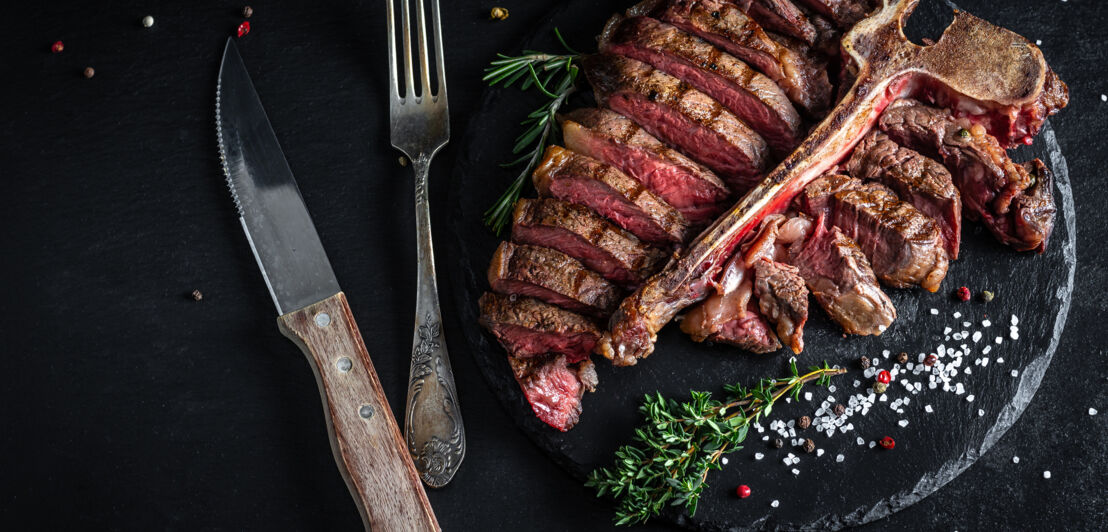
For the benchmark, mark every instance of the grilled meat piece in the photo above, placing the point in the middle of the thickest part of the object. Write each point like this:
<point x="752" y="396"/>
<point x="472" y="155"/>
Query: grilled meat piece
<point x="839" y="276"/>
<point x="781" y="16"/>
<point x="730" y="316"/>
<point x="1015" y="202"/>
<point x="554" y="388"/>
<point x="919" y="180"/>
<point x="551" y="276"/>
<point x="680" y="116"/>
<point x="586" y="181"/>
<point x="582" y="234"/>
<point x="614" y="139"/>
<point x="753" y="97"/>
<point x="844" y="13"/>
<point x="725" y="25"/>
<point x="528" y="327"/>
<point x="783" y="300"/>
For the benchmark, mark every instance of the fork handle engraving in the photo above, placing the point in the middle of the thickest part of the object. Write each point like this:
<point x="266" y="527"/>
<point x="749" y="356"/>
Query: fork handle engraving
<point x="433" y="425"/>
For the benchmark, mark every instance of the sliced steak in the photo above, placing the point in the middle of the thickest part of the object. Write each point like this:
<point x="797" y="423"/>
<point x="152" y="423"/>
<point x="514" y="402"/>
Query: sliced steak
<point x="722" y="23"/>
<point x="586" y="181"/>
<point x="614" y="139"/>
<point x="554" y="388"/>
<point x="844" y="13"/>
<point x="753" y="97"/>
<point x="680" y="116"/>
<point x="551" y="276"/>
<point x="731" y="318"/>
<point x="528" y="327"/>
<point x="781" y="16"/>
<point x="919" y="180"/>
<point x="582" y="234"/>
<point x="839" y="276"/>
<point x="904" y="245"/>
<point x="783" y="299"/>
<point x="1016" y="202"/>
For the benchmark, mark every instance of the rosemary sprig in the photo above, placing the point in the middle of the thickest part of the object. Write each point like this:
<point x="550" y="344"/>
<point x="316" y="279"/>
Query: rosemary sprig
<point x="679" y="444"/>
<point x="555" y="76"/>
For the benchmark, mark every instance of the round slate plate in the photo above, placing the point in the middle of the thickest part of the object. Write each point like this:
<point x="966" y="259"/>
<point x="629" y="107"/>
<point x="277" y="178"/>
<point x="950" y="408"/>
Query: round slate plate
<point x="869" y="483"/>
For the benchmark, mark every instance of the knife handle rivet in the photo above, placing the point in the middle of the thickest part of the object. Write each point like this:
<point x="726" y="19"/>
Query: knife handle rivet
<point x="322" y="319"/>
<point x="344" y="364"/>
<point x="366" y="411"/>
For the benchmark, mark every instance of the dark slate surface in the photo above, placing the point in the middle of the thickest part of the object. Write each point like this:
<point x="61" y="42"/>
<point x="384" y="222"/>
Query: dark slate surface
<point x="128" y="405"/>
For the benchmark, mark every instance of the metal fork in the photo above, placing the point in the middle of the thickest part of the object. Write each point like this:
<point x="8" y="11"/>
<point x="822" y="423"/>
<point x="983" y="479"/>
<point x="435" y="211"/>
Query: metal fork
<point x="420" y="127"/>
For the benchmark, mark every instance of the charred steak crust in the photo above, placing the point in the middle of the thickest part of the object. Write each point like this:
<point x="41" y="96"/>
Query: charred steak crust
<point x="614" y="139"/>
<point x="551" y="276"/>
<point x="783" y="299"/>
<point x="1016" y="205"/>
<point x="527" y="327"/>
<point x="753" y="97"/>
<point x="844" y="13"/>
<point x="679" y="115"/>
<point x="781" y="16"/>
<point x="586" y="181"/>
<point x="554" y="388"/>
<point x="903" y="244"/>
<point x="722" y="23"/>
<point x="582" y="234"/>
<point x="839" y="276"/>
<point x="919" y="180"/>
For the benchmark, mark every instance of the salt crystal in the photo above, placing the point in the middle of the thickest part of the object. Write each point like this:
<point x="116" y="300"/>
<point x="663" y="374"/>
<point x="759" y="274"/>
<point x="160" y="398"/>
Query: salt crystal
<point x="1104" y="97"/>
<point x="861" y="441"/>
<point x="968" y="371"/>
<point x="1046" y="474"/>
<point x="1039" y="42"/>
<point x="984" y="362"/>
<point x="999" y="339"/>
<point x="819" y="452"/>
<point x="999" y="360"/>
<point x="765" y="438"/>
<point x="857" y="383"/>
<point x="976" y="336"/>
<point x="986" y="350"/>
<point x="807" y="396"/>
<point x="969" y="398"/>
<point x="1015" y="320"/>
<point x="839" y="458"/>
<point x="966" y="324"/>
<point x="934" y="312"/>
<point x="1015" y="459"/>
<point x="1015" y="373"/>
<point x="928" y="409"/>
<point x="885" y="353"/>
<point x="980" y="413"/>
<point x="788" y="400"/>
<point x="986" y="323"/>
<point x="759" y="456"/>
<point x="775" y="503"/>
<point x="1015" y="335"/>
<point x="957" y="315"/>
<point x="884" y="398"/>
<point x="872" y="444"/>
<point x="831" y="388"/>
<point x="868" y="373"/>
<point x="947" y="330"/>
<point x="723" y="460"/>
<point x="1092" y="411"/>
<point x="902" y="423"/>
<point x="796" y="471"/>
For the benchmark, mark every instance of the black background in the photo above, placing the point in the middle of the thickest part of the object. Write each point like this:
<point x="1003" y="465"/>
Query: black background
<point x="126" y="404"/>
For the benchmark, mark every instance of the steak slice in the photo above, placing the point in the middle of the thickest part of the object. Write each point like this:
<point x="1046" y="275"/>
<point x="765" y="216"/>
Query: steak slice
<point x="586" y="181"/>
<point x="732" y="318"/>
<point x="904" y="245"/>
<point x="554" y="388"/>
<point x="919" y="180"/>
<point x="753" y="97"/>
<point x="844" y="13"/>
<point x="723" y="24"/>
<point x="1016" y="202"/>
<point x="783" y="299"/>
<point x="680" y="116"/>
<point x="781" y="16"/>
<point x="528" y="327"/>
<point x="839" y="276"/>
<point x="551" y="276"/>
<point x="614" y="139"/>
<point x="582" y="234"/>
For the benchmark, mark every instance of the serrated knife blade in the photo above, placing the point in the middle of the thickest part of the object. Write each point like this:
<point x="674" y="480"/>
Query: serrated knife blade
<point x="313" y="312"/>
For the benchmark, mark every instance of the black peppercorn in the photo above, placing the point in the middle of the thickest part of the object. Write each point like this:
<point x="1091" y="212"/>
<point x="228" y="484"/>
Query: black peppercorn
<point x="804" y="422"/>
<point x="864" y="361"/>
<point x="902" y="358"/>
<point x="809" y="446"/>
<point x="778" y="443"/>
<point x="89" y="72"/>
<point x="839" y="409"/>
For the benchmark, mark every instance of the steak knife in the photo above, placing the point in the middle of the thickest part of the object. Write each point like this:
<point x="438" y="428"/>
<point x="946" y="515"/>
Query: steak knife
<point x="313" y="312"/>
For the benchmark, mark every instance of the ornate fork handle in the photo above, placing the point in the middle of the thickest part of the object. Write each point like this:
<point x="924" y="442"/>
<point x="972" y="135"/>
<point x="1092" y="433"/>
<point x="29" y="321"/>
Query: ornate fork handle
<point x="433" y="422"/>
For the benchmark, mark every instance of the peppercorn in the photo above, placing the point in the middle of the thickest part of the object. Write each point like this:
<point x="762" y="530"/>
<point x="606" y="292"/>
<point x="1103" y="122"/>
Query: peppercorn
<point x="147" y="21"/>
<point x="243" y="28"/>
<point x="57" y="47"/>
<point x="884" y="376"/>
<point x="880" y="387"/>
<point x="887" y="442"/>
<point x="196" y="295"/>
<point x="804" y="422"/>
<point x="498" y="13"/>
<point x="839" y="409"/>
<point x="809" y="446"/>
<point x="930" y="360"/>
<point x="962" y="293"/>
<point x="743" y="491"/>
<point x="89" y="72"/>
<point x="247" y="12"/>
<point x="902" y="358"/>
<point x="864" y="361"/>
<point x="778" y="443"/>
<point x="987" y="296"/>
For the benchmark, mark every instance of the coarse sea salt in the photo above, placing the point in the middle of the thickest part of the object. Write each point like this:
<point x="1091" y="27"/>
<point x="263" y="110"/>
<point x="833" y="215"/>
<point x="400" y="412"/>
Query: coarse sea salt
<point x="999" y="339"/>
<point x="723" y="460"/>
<point x="796" y="471"/>
<point x="839" y="458"/>
<point x="1092" y="411"/>
<point x="934" y="312"/>
<point x="1046" y="474"/>
<point x="976" y="336"/>
<point x="980" y="412"/>
<point x="759" y="456"/>
<point x="807" y="396"/>
<point x="902" y="423"/>
<point x="986" y="323"/>
<point x="969" y="398"/>
<point x="957" y="315"/>
<point x="1015" y="373"/>
<point x="1015" y="320"/>
<point x="775" y="503"/>
<point x="819" y="452"/>
<point x="928" y="409"/>
<point x="1015" y="459"/>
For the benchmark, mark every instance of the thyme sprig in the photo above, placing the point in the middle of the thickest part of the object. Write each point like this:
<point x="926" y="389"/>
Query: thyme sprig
<point x="679" y="444"/>
<point x="555" y="76"/>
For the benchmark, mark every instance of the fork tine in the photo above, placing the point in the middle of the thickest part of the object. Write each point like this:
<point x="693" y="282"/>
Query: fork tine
<point x="440" y="63"/>
<point x="423" y="73"/>
<point x="393" y="81"/>
<point x="409" y="79"/>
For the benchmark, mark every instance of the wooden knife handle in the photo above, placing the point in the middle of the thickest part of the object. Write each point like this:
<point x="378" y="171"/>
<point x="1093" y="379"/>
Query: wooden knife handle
<point x="365" y="438"/>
